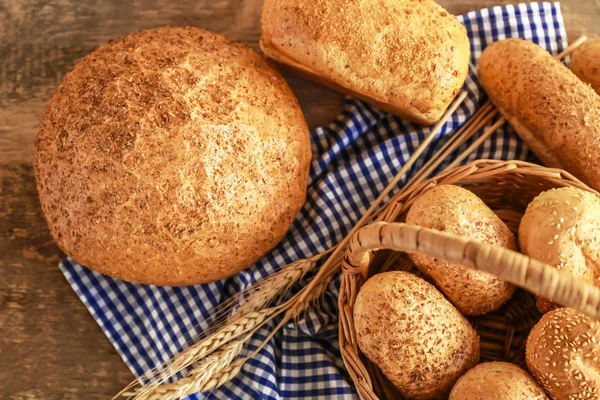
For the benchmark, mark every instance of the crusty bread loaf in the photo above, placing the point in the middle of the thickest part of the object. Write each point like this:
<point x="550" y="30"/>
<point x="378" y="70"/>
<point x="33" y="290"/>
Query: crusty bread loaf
<point x="417" y="338"/>
<point x="561" y="227"/>
<point x="497" y="381"/>
<point x="556" y="114"/>
<point x="563" y="355"/>
<point x="173" y="156"/>
<point x="457" y="211"/>
<point x="585" y="63"/>
<point x="409" y="58"/>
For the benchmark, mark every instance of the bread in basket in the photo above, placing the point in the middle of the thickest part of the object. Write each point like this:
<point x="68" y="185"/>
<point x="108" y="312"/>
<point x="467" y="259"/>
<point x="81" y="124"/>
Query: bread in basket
<point x="507" y="187"/>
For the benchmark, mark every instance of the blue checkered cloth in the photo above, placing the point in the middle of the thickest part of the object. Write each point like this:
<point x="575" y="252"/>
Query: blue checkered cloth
<point x="354" y="158"/>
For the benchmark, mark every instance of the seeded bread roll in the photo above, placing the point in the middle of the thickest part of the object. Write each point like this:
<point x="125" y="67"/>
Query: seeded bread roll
<point x="563" y="355"/>
<point x="585" y="63"/>
<point x="561" y="227"/>
<point x="407" y="57"/>
<point x="417" y="338"/>
<point x="174" y="156"/>
<point x="497" y="381"/>
<point x="457" y="211"/>
<point x="556" y="114"/>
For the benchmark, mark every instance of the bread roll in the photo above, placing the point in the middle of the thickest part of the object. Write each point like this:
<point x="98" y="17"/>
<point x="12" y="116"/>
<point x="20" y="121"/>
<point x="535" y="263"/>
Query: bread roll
<point x="409" y="58"/>
<point x="174" y="156"/>
<point x="497" y="381"/>
<point x="556" y="114"/>
<point x="585" y="63"/>
<point x="561" y="227"/>
<point x="457" y="211"/>
<point x="563" y="355"/>
<point x="417" y="338"/>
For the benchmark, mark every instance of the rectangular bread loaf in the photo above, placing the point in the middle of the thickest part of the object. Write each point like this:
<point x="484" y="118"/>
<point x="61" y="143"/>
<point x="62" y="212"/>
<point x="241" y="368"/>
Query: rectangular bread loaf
<point x="407" y="57"/>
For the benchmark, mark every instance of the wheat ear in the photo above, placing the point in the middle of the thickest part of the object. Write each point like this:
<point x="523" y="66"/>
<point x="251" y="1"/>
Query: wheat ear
<point x="221" y="367"/>
<point x="202" y="374"/>
<point x="274" y="287"/>
<point x="244" y="319"/>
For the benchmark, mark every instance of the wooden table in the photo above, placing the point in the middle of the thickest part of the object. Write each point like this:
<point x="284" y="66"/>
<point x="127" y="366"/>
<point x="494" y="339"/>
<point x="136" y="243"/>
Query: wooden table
<point x="50" y="347"/>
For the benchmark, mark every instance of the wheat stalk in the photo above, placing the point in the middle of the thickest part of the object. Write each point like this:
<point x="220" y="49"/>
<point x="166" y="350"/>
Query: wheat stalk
<point x="275" y="286"/>
<point x="222" y="366"/>
<point x="226" y="375"/>
<point x="243" y="320"/>
<point x="192" y="354"/>
<point x="264" y="292"/>
<point x="200" y="376"/>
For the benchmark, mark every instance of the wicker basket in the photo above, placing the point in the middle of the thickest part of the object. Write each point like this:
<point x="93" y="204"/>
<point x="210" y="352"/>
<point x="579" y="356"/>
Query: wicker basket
<point x="507" y="188"/>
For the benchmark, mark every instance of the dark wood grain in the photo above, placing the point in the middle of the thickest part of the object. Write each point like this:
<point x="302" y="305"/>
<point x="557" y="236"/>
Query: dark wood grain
<point x="50" y="347"/>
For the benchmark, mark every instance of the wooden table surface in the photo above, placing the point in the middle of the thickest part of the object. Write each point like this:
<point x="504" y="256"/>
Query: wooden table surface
<point x="50" y="347"/>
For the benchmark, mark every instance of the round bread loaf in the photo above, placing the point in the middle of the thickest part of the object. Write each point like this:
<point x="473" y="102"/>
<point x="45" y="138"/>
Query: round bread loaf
<point x="173" y="156"/>
<point x="563" y="355"/>
<point x="457" y="211"/>
<point x="585" y="63"/>
<point x="561" y="227"/>
<point x="418" y="339"/>
<point x="497" y="381"/>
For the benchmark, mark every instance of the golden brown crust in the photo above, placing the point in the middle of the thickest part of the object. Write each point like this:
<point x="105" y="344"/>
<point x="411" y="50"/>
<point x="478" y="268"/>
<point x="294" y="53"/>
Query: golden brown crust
<point x="555" y="113"/>
<point x="457" y="211"/>
<point x="410" y="58"/>
<point x="561" y="227"/>
<point x="497" y="381"/>
<point x="563" y="355"/>
<point x="585" y="63"/>
<point x="417" y="338"/>
<point x="173" y="156"/>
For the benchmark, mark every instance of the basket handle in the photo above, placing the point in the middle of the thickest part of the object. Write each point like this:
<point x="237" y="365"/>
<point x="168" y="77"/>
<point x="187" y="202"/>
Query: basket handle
<point x="511" y="266"/>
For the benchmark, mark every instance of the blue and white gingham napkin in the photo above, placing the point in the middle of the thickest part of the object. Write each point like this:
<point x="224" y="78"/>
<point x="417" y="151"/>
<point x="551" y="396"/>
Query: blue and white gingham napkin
<point x="353" y="160"/>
